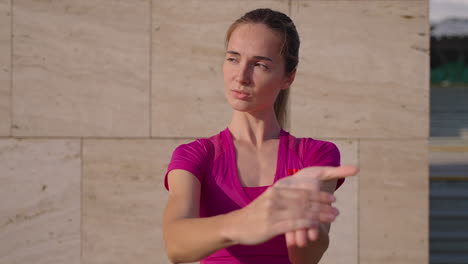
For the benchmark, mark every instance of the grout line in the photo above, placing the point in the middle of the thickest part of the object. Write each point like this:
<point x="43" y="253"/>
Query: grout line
<point x="94" y="138"/>
<point x="358" y="202"/>
<point x="11" y="68"/>
<point x="196" y="137"/>
<point x="367" y="139"/>
<point x="289" y="7"/>
<point x="81" y="201"/>
<point x="150" y="69"/>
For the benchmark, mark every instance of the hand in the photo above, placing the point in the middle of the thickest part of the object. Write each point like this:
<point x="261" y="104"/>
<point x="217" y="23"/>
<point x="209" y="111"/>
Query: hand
<point x="292" y="203"/>
<point x="301" y="236"/>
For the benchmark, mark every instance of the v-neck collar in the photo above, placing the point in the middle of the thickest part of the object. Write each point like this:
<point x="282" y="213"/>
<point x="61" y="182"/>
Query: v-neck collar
<point x="233" y="161"/>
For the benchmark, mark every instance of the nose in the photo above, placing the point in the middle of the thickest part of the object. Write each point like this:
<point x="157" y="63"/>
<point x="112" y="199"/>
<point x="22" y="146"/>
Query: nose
<point x="244" y="75"/>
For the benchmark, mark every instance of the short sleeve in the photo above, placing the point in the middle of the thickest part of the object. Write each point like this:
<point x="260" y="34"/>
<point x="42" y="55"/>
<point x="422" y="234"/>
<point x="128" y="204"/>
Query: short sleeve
<point x="322" y="153"/>
<point x="194" y="157"/>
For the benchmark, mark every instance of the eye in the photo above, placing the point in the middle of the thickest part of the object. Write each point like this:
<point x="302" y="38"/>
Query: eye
<point x="231" y="59"/>
<point x="261" y="65"/>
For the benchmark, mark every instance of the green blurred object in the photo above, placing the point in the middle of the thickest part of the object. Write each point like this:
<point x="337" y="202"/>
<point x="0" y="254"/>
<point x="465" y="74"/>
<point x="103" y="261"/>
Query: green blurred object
<point x="451" y="73"/>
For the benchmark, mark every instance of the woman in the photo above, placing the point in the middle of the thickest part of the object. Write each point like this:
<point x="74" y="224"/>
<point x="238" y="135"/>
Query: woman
<point x="230" y="200"/>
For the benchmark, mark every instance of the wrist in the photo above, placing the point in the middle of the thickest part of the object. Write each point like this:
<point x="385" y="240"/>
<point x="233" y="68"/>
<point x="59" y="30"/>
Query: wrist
<point x="229" y="228"/>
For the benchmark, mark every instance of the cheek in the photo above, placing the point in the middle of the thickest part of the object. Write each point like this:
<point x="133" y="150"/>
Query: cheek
<point x="270" y="88"/>
<point x="227" y="73"/>
<point x="268" y="82"/>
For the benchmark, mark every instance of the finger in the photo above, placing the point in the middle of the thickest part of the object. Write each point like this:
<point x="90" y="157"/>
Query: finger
<point x="298" y="193"/>
<point x="327" y="217"/>
<point x="297" y="213"/>
<point x="326" y="197"/>
<point x="300" y="182"/>
<point x="324" y="215"/>
<point x="313" y="234"/>
<point x="333" y="173"/>
<point x="281" y="227"/>
<point x="314" y="210"/>
<point x="301" y="237"/>
<point x="303" y="195"/>
<point x="287" y="198"/>
<point x="328" y="209"/>
<point x="290" y="238"/>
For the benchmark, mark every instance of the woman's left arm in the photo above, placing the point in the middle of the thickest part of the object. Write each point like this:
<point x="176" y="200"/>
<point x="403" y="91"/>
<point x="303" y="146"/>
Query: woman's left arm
<point x="313" y="250"/>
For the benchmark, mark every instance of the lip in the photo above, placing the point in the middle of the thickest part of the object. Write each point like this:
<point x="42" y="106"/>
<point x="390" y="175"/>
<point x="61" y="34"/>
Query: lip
<point x="240" y="95"/>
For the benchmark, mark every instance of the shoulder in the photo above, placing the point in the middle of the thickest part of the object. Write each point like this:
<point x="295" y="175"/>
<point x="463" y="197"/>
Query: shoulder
<point x="197" y="147"/>
<point x="196" y="150"/>
<point x="195" y="157"/>
<point x="315" y="152"/>
<point x="309" y="144"/>
<point x="201" y="148"/>
<point x="319" y="146"/>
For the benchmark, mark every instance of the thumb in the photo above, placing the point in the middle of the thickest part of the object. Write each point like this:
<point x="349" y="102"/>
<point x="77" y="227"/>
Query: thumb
<point x="333" y="173"/>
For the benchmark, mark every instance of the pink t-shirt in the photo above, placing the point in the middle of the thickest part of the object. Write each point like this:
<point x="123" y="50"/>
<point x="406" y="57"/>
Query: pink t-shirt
<point x="213" y="161"/>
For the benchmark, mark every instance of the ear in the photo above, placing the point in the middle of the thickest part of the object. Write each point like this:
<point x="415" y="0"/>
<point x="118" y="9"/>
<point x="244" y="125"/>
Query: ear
<point x="289" y="79"/>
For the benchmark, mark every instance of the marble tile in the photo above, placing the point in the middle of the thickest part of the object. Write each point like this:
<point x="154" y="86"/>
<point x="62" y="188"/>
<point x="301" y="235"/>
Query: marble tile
<point x="40" y="208"/>
<point x="363" y="70"/>
<point x="344" y="231"/>
<point x="123" y="200"/>
<point x="393" y="200"/>
<point x="188" y="47"/>
<point x="81" y="68"/>
<point x="5" y="65"/>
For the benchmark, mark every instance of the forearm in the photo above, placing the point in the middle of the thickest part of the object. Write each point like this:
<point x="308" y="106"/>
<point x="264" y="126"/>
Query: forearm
<point x="191" y="239"/>
<point x="313" y="252"/>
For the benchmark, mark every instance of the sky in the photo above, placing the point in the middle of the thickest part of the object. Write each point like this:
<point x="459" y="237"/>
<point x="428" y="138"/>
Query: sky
<point x="440" y="9"/>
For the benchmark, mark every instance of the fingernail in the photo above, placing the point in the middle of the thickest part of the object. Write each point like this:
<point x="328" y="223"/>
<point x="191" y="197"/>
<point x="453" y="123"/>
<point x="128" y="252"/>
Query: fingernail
<point x="336" y="212"/>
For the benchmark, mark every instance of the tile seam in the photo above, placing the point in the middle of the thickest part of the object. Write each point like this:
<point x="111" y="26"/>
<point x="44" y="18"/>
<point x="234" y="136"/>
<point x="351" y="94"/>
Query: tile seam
<point x="390" y="139"/>
<point x="358" y="203"/>
<point x="81" y="201"/>
<point x="366" y="0"/>
<point x="196" y="137"/>
<point x="95" y="138"/>
<point x="150" y="70"/>
<point x="11" y="68"/>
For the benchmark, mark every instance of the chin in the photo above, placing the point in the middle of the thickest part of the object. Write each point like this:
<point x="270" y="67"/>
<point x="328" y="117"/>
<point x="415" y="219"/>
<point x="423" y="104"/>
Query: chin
<point x="240" y="108"/>
<point x="240" y="105"/>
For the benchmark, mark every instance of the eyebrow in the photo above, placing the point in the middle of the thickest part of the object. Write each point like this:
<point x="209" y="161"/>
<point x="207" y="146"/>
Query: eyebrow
<point x="257" y="57"/>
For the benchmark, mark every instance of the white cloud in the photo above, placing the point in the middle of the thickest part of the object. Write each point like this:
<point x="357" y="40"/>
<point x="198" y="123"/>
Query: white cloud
<point x="441" y="9"/>
<point x="450" y="1"/>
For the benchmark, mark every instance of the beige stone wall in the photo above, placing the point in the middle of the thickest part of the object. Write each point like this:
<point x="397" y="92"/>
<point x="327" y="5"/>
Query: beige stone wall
<point x="95" y="95"/>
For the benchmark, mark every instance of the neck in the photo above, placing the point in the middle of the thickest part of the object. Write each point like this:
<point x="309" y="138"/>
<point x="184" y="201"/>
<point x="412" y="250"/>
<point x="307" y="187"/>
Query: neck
<point x="254" y="128"/>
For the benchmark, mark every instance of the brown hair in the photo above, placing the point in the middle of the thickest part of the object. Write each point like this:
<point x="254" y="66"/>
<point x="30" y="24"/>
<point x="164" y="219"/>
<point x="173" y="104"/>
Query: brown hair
<point x="285" y="27"/>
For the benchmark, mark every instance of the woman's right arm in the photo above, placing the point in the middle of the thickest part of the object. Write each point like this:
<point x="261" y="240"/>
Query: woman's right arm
<point x="187" y="237"/>
<point x="284" y="207"/>
<point x="190" y="238"/>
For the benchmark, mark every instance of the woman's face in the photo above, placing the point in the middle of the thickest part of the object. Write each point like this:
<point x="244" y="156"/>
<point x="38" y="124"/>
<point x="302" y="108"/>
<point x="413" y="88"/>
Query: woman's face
<point x="254" y="68"/>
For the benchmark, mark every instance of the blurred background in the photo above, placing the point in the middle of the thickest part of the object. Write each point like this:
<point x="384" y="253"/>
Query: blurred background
<point x="448" y="156"/>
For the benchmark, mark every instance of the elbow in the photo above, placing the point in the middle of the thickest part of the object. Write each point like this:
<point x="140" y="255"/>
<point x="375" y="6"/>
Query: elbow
<point x="176" y="255"/>
<point x="172" y="254"/>
<point x="176" y="258"/>
<point x="173" y="258"/>
<point x="171" y="247"/>
<point x="174" y="247"/>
